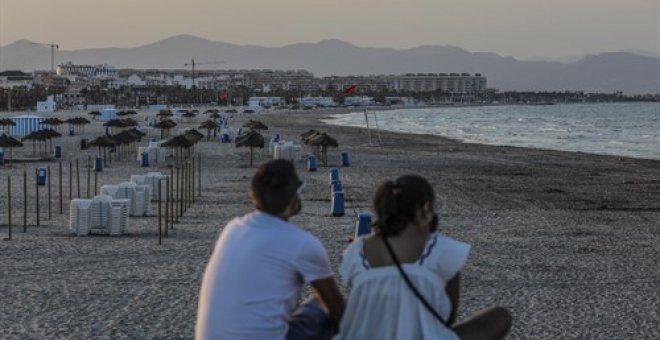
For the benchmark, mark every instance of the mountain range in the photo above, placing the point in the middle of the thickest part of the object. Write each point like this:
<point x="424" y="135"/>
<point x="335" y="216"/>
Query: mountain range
<point x="629" y="72"/>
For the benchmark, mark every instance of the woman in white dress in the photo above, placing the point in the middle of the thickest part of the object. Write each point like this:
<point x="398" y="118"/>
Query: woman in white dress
<point x="404" y="278"/>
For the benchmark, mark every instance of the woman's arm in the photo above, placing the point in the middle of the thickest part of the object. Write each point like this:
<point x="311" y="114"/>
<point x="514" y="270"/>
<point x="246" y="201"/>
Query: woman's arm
<point x="453" y="290"/>
<point x="330" y="296"/>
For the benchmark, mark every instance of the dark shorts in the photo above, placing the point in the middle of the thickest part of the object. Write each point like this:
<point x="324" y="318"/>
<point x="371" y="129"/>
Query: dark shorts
<point x="309" y="321"/>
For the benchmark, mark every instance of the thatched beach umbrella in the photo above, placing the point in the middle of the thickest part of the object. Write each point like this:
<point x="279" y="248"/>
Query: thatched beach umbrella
<point x="188" y="115"/>
<point x="53" y="122"/>
<point x="178" y="143"/>
<point x="7" y="122"/>
<point x="50" y="134"/>
<point x="163" y="114"/>
<point x="250" y="139"/>
<point x="94" y="114"/>
<point x="128" y="138"/>
<point x="137" y="132"/>
<point x="322" y="140"/>
<point x="76" y="122"/>
<point x="35" y="136"/>
<point x="130" y="122"/>
<point x="165" y="126"/>
<point x="255" y="125"/>
<point x="193" y="135"/>
<point x="304" y="136"/>
<point x="208" y="125"/>
<point x="115" y="123"/>
<point x="9" y="143"/>
<point x="102" y="142"/>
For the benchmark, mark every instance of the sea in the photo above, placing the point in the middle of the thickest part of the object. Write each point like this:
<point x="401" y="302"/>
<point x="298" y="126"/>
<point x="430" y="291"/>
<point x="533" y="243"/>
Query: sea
<point x="621" y="129"/>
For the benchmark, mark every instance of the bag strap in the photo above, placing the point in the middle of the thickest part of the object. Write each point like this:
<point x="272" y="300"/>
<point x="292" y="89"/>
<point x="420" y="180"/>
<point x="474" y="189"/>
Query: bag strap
<point x="412" y="286"/>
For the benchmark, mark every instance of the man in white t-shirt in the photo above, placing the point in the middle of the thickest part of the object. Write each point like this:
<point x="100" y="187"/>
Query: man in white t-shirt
<point x="259" y="266"/>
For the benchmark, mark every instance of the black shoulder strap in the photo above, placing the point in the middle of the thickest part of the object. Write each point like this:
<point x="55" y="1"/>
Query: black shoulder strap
<point x="412" y="286"/>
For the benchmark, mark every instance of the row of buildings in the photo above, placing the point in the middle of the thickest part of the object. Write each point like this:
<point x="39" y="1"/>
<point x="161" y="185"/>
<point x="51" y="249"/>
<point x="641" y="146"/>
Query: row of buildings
<point x="77" y="81"/>
<point x="263" y="81"/>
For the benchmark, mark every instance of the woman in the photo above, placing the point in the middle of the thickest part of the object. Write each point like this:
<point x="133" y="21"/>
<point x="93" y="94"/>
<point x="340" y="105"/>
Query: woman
<point x="418" y="298"/>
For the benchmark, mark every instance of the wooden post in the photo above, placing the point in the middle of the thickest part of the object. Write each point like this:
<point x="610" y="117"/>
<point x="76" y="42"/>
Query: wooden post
<point x="78" y="178"/>
<point x="160" y="231"/>
<point x="167" y="206"/>
<point x="171" y="197"/>
<point x="184" y="187"/>
<point x="9" y="207"/>
<point x="60" y="187"/>
<point x="70" y="181"/>
<point x="36" y="181"/>
<point x="181" y="187"/>
<point x="192" y="186"/>
<point x="199" y="175"/>
<point x="25" y="200"/>
<point x="190" y="181"/>
<point x="89" y="167"/>
<point x="49" y="208"/>
<point x="176" y="194"/>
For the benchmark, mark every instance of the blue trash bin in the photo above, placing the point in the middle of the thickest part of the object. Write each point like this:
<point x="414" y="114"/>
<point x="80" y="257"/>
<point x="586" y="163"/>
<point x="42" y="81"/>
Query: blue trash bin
<point x="344" y="158"/>
<point x="145" y="159"/>
<point x="58" y="151"/>
<point x="98" y="164"/>
<point x="337" y="204"/>
<point x="41" y="176"/>
<point x="334" y="175"/>
<point x="2" y="157"/>
<point x="335" y="186"/>
<point x="311" y="163"/>
<point x="363" y="224"/>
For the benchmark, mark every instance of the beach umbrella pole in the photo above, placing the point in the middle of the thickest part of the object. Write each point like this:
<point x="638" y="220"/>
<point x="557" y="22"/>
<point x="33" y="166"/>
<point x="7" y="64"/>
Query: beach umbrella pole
<point x="9" y="208"/>
<point x="49" y="197"/>
<point x="60" y="186"/>
<point x="25" y="201"/>
<point x="36" y="186"/>
<point x="199" y="175"/>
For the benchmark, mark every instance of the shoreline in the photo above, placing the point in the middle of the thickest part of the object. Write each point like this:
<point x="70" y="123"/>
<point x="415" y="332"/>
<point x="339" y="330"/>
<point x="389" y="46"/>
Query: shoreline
<point x="481" y="141"/>
<point x="568" y="241"/>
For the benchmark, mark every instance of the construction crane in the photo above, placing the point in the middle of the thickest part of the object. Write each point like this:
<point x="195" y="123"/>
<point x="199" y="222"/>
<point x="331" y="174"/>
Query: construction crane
<point x="53" y="47"/>
<point x="193" y="63"/>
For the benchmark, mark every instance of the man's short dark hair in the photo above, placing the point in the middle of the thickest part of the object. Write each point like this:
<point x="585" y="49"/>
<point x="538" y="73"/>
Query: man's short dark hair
<point x="274" y="185"/>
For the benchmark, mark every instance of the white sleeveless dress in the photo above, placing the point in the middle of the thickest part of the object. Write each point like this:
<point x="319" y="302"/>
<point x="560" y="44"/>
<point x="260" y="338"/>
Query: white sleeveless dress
<point x="381" y="306"/>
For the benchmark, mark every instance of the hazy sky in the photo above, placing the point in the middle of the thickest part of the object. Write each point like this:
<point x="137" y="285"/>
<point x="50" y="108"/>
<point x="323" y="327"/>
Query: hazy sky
<point x="520" y="28"/>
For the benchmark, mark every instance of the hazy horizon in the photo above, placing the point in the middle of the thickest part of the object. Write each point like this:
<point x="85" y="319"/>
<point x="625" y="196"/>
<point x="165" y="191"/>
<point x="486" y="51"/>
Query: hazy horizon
<point x="518" y="28"/>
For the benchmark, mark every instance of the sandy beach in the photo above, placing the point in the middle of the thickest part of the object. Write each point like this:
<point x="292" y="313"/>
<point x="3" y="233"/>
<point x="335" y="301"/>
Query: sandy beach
<point x="568" y="241"/>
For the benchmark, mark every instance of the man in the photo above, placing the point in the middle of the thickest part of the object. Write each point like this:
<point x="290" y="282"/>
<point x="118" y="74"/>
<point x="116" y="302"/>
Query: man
<point x="259" y="266"/>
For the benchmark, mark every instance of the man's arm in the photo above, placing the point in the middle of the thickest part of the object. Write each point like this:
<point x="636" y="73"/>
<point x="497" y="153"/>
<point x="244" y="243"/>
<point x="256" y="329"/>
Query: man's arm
<point x="330" y="296"/>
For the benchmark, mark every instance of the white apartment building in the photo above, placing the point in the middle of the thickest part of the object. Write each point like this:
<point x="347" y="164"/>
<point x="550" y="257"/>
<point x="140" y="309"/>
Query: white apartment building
<point x="90" y="71"/>
<point x="11" y="79"/>
<point x="462" y="83"/>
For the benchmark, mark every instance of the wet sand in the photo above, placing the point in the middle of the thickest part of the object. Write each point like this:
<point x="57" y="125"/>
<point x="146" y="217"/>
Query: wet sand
<point x="568" y="241"/>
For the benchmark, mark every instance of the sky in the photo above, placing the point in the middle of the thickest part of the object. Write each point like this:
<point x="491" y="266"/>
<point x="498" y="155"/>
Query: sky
<point x="518" y="28"/>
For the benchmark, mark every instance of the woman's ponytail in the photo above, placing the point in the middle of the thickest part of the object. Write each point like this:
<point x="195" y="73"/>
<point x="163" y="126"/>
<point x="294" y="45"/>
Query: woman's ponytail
<point x="396" y="203"/>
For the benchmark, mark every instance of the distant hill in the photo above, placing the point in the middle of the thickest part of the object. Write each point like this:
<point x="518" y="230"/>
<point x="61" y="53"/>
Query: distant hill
<point x="608" y="72"/>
